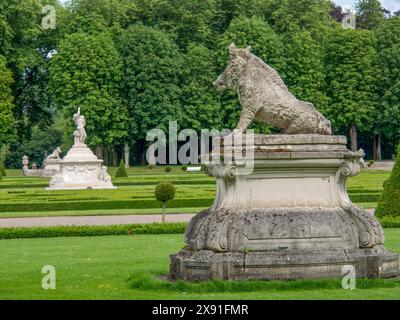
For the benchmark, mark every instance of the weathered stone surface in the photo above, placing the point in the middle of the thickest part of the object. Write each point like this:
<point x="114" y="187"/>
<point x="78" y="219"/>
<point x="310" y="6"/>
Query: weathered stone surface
<point x="289" y="218"/>
<point x="281" y="265"/>
<point x="50" y="165"/>
<point x="265" y="97"/>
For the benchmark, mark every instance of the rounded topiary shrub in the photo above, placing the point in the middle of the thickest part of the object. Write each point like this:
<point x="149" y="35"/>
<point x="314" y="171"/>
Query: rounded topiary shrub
<point x="121" y="171"/>
<point x="151" y="166"/>
<point x="164" y="192"/>
<point x="389" y="203"/>
<point x="184" y="167"/>
<point x="167" y="169"/>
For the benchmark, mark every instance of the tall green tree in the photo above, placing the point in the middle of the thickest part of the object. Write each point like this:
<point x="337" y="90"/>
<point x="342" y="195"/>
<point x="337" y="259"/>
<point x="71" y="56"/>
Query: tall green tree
<point x="387" y="120"/>
<point x="6" y="104"/>
<point x="86" y="72"/>
<point x="308" y="15"/>
<point x="264" y="42"/>
<point x="370" y="14"/>
<point x="152" y="70"/>
<point x="92" y="16"/>
<point x="304" y="71"/>
<point x="352" y="66"/>
<point x="26" y="44"/>
<point x="185" y="20"/>
<point x="227" y="10"/>
<point x="200" y="101"/>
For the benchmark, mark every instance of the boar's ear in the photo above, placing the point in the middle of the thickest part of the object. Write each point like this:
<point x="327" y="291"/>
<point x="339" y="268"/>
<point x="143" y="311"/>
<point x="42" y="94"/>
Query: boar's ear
<point x="232" y="49"/>
<point x="248" y="49"/>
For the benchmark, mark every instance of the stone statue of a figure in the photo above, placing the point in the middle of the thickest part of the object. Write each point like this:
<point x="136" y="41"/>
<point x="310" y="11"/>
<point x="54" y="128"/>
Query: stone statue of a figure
<point x="80" y="132"/>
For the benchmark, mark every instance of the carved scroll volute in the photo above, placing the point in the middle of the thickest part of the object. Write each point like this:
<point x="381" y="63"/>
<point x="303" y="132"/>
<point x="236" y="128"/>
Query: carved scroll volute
<point x="351" y="164"/>
<point x="350" y="167"/>
<point x="228" y="172"/>
<point x="370" y="232"/>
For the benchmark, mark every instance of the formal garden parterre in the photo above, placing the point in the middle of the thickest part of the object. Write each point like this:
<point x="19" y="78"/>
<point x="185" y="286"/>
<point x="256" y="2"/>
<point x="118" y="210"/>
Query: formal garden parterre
<point x="25" y="196"/>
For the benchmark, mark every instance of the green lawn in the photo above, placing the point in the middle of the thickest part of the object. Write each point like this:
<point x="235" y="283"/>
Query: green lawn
<point x="99" y="267"/>
<point x="25" y="196"/>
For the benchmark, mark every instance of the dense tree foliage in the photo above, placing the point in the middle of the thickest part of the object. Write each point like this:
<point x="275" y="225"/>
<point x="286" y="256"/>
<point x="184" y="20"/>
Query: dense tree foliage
<point x="304" y="69"/>
<point x="200" y="103"/>
<point x="6" y="103"/>
<point x="388" y="116"/>
<point x="351" y="72"/>
<point x="370" y="14"/>
<point x="86" y="72"/>
<point x="134" y="65"/>
<point x="152" y="68"/>
<point x="310" y="15"/>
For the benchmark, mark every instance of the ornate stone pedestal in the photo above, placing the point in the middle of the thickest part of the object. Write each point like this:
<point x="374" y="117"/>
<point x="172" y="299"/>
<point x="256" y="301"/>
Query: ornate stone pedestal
<point x="290" y="218"/>
<point x="80" y="169"/>
<point x="51" y="167"/>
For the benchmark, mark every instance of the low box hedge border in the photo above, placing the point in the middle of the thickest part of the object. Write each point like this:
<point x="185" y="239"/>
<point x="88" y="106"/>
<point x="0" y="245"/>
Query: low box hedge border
<point x="65" y="205"/>
<point x="88" y="231"/>
<point x="118" y="229"/>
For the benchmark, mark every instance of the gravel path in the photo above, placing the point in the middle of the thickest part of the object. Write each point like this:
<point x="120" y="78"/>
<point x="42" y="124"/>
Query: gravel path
<point x="91" y="220"/>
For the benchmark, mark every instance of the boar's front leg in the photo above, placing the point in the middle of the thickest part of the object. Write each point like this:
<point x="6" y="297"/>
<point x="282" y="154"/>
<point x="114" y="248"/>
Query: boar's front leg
<point x="246" y="118"/>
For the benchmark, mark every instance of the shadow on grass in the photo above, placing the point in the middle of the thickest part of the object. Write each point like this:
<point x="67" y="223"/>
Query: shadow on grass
<point x="158" y="282"/>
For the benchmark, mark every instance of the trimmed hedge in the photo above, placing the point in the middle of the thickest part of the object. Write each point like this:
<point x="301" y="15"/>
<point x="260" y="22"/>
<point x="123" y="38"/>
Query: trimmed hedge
<point x="164" y="191"/>
<point x="121" y="171"/>
<point x="65" y="205"/>
<point x="7" y="185"/>
<point x="390" y="222"/>
<point x="389" y="204"/>
<point x="104" y="204"/>
<point x="114" y="230"/>
<point x="364" y="197"/>
<point x="89" y="231"/>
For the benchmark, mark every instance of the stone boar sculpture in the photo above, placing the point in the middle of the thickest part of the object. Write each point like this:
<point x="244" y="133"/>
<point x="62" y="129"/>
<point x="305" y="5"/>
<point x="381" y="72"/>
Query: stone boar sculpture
<point x="265" y="98"/>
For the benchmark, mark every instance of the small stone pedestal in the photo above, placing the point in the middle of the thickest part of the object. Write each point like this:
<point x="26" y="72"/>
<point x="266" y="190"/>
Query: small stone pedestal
<point x="291" y="218"/>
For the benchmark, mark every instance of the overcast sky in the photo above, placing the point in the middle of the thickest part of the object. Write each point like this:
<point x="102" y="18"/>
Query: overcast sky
<point x="392" y="5"/>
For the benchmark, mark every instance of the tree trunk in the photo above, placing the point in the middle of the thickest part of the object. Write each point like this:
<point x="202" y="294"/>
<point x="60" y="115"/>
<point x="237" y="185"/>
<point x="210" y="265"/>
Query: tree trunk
<point x="114" y="156"/>
<point x="163" y="212"/>
<point x="106" y="156"/>
<point x="353" y="137"/>
<point x="378" y="151"/>
<point x="140" y="151"/>
<point x="99" y="151"/>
